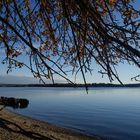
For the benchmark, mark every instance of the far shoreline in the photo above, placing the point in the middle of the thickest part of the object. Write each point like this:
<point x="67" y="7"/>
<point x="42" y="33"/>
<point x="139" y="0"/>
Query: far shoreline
<point x="89" y="85"/>
<point x="17" y="126"/>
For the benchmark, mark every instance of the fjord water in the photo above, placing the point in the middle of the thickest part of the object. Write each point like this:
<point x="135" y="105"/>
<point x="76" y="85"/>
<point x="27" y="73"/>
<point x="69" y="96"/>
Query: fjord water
<point x="112" y="113"/>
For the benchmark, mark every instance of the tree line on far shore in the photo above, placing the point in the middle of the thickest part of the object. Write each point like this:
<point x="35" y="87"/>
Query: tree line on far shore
<point x="71" y="85"/>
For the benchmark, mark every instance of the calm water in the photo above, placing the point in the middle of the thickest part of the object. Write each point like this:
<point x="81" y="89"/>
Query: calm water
<point x="112" y="113"/>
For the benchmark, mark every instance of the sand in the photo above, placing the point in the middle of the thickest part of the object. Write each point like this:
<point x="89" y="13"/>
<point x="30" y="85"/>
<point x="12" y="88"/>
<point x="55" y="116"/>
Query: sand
<point x="17" y="127"/>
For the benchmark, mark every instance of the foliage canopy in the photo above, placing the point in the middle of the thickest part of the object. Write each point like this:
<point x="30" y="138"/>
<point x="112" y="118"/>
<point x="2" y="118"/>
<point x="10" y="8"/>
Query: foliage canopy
<point x="58" y="33"/>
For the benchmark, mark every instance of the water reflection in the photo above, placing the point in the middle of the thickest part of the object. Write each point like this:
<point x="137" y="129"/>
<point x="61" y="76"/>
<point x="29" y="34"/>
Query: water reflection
<point x="112" y="113"/>
<point x="14" y="102"/>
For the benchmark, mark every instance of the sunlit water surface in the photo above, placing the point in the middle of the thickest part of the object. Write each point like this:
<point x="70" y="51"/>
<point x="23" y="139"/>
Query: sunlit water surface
<point x="112" y="113"/>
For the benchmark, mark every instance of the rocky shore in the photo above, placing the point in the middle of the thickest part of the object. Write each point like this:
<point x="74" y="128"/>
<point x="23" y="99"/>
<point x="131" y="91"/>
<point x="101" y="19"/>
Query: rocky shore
<point x="17" y="127"/>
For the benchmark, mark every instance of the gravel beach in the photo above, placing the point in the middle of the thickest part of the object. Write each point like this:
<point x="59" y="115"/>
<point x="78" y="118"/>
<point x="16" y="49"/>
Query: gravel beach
<point x="17" y="127"/>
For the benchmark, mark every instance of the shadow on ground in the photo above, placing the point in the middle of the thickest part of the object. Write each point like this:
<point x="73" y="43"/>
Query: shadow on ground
<point x="12" y="127"/>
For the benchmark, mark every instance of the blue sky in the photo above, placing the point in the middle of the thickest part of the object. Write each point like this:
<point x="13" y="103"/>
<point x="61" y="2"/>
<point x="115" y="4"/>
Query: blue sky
<point x="125" y="71"/>
<point x="19" y="76"/>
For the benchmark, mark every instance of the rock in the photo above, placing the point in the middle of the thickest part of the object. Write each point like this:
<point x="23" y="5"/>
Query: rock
<point x="14" y="102"/>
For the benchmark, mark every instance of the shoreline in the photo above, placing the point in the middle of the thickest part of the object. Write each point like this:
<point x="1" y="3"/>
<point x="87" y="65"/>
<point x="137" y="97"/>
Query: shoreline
<point x="89" y="85"/>
<point x="15" y="126"/>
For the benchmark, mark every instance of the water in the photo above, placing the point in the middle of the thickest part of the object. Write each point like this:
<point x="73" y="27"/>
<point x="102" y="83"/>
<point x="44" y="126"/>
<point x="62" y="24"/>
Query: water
<point x="112" y="113"/>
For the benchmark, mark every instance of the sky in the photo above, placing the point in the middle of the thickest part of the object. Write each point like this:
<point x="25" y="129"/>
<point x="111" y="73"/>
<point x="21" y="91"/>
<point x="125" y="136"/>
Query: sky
<point x="24" y="76"/>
